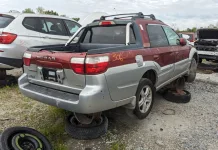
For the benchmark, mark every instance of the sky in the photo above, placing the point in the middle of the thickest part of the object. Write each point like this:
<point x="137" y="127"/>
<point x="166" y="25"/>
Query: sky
<point x="180" y="14"/>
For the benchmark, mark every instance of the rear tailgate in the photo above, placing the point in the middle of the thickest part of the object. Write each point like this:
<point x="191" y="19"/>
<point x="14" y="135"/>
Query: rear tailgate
<point x="54" y="70"/>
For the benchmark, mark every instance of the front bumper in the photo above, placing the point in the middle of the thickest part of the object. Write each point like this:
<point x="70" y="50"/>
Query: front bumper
<point x="92" y="99"/>
<point x="209" y="57"/>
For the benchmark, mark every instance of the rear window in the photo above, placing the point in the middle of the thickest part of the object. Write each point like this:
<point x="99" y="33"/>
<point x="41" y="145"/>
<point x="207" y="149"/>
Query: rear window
<point x="108" y="35"/>
<point x="5" y="21"/>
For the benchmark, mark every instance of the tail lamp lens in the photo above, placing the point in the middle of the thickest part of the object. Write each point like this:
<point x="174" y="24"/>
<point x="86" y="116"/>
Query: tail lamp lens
<point x="26" y="59"/>
<point x="7" y="38"/>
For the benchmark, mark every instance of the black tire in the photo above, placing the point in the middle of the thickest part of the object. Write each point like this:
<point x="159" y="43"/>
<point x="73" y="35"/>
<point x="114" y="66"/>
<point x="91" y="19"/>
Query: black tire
<point x="138" y="109"/>
<point x="172" y="96"/>
<point x="86" y="132"/>
<point x="13" y="139"/>
<point x="192" y="71"/>
<point x="200" y="60"/>
<point x="8" y="81"/>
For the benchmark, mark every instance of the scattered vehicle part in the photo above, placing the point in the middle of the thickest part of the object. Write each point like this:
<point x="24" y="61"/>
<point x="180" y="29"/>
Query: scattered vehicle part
<point x="86" y="119"/>
<point x="8" y="81"/>
<point x="177" y="96"/>
<point x="207" y="44"/>
<point x="95" y="129"/>
<point x="2" y="74"/>
<point x="104" y="68"/>
<point x="23" y="138"/>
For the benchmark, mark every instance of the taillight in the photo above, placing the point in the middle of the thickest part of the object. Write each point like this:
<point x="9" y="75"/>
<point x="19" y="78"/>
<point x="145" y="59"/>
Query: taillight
<point x="77" y="64"/>
<point x="96" y="65"/>
<point x="27" y="59"/>
<point x="7" y="38"/>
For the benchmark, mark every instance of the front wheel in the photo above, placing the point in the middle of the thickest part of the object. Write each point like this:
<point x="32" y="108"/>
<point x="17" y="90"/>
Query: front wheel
<point x="144" y="98"/>
<point x="192" y="71"/>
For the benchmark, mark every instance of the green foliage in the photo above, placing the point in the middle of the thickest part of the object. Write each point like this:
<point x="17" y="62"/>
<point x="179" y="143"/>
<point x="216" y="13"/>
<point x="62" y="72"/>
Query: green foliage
<point x="51" y="12"/>
<point x="28" y="10"/>
<point x="76" y="19"/>
<point x="40" y="10"/>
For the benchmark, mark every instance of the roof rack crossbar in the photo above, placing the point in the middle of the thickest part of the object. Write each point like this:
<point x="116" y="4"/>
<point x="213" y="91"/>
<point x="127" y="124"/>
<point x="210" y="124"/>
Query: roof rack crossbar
<point x="133" y="15"/>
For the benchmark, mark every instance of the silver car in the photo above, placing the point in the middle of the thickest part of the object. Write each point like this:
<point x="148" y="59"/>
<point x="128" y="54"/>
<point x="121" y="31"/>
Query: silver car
<point x="19" y="31"/>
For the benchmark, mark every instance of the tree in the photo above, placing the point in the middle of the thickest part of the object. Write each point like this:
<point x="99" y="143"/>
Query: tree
<point x="40" y="10"/>
<point x="51" y="12"/>
<point x="28" y="10"/>
<point x="76" y="19"/>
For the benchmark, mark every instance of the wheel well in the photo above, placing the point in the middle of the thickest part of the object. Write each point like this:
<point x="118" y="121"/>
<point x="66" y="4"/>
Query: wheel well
<point x="196" y="57"/>
<point x="151" y="75"/>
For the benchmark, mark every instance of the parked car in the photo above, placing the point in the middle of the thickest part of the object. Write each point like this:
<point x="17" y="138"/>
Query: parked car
<point x="192" y="37"/>
<point x="117" y="62"/>
<point x="207" y="44"/>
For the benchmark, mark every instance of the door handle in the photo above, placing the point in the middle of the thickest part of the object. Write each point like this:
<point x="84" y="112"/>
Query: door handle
<point x="45" y="37"/>
<point x="156" y="56"/>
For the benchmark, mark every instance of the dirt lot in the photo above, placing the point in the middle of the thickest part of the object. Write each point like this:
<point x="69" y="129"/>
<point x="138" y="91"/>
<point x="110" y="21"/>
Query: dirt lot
<point x="192" y="126"/>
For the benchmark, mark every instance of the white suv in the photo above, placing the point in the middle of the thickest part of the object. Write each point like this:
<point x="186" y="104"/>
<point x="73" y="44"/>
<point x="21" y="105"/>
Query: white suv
<point x="19" y="31"/>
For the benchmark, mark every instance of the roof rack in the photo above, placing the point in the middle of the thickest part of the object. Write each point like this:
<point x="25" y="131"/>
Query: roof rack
<point x="128" y="15"/>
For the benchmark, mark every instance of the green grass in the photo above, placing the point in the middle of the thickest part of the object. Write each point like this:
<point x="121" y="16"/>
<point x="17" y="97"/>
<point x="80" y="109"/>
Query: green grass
<point x="118" y="146"/>
<point x="46" y="119"/>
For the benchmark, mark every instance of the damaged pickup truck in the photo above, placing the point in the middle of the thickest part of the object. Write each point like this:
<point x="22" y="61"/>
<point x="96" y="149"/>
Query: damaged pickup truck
<point x="107" y="64"/>
<point x="207" y="44"/>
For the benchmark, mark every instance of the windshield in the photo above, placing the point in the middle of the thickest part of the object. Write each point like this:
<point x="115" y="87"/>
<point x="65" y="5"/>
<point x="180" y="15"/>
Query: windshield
<point x="5" y="21"/>
<point x="108" y="35"/>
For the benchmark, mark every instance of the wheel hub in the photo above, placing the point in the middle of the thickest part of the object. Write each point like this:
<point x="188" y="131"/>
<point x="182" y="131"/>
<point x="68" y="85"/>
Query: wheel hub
<point x="145" y="99"/>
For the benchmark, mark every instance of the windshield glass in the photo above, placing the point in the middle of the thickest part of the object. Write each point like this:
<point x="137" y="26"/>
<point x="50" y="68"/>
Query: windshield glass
<point x="5" y="21"/>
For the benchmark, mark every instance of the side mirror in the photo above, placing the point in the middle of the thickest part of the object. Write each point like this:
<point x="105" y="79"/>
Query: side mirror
<point x="182" y="42"/>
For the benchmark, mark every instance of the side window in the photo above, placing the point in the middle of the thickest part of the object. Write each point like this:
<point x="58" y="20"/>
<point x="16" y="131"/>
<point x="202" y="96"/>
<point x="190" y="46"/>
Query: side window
<point x="72" y="26"/>
<point x="171" y="35"/>
<point x="157" y="36"/>
<point x="31" y="24"/>
<point x="55" y="26"/>
<point x="42" y="27"/>
<point x="87" y="37"/>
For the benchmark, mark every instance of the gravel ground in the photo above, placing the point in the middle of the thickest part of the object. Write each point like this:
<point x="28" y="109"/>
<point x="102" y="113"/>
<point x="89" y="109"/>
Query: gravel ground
<point x="194" y="126"/>
<point x="170" y="126"/>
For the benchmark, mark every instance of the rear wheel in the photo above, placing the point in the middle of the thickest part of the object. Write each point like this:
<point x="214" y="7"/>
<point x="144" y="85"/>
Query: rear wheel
<point x="144" y="98"/>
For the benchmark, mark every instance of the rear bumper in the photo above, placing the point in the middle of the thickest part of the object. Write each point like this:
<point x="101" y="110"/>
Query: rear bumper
<point x="92" y="99"/>
<point x="10" y="63"/>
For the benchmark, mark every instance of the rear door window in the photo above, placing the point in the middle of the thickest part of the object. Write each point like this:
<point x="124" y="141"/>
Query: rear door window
<point x="55" y="26"/>
<point x="33" y="23"/>
<point x="172" y="36"/>
<point x="108" y="35"/>
<point x="157" y="36"/>
<point x="5" y="20"/>
<point x="72" y="26"/>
